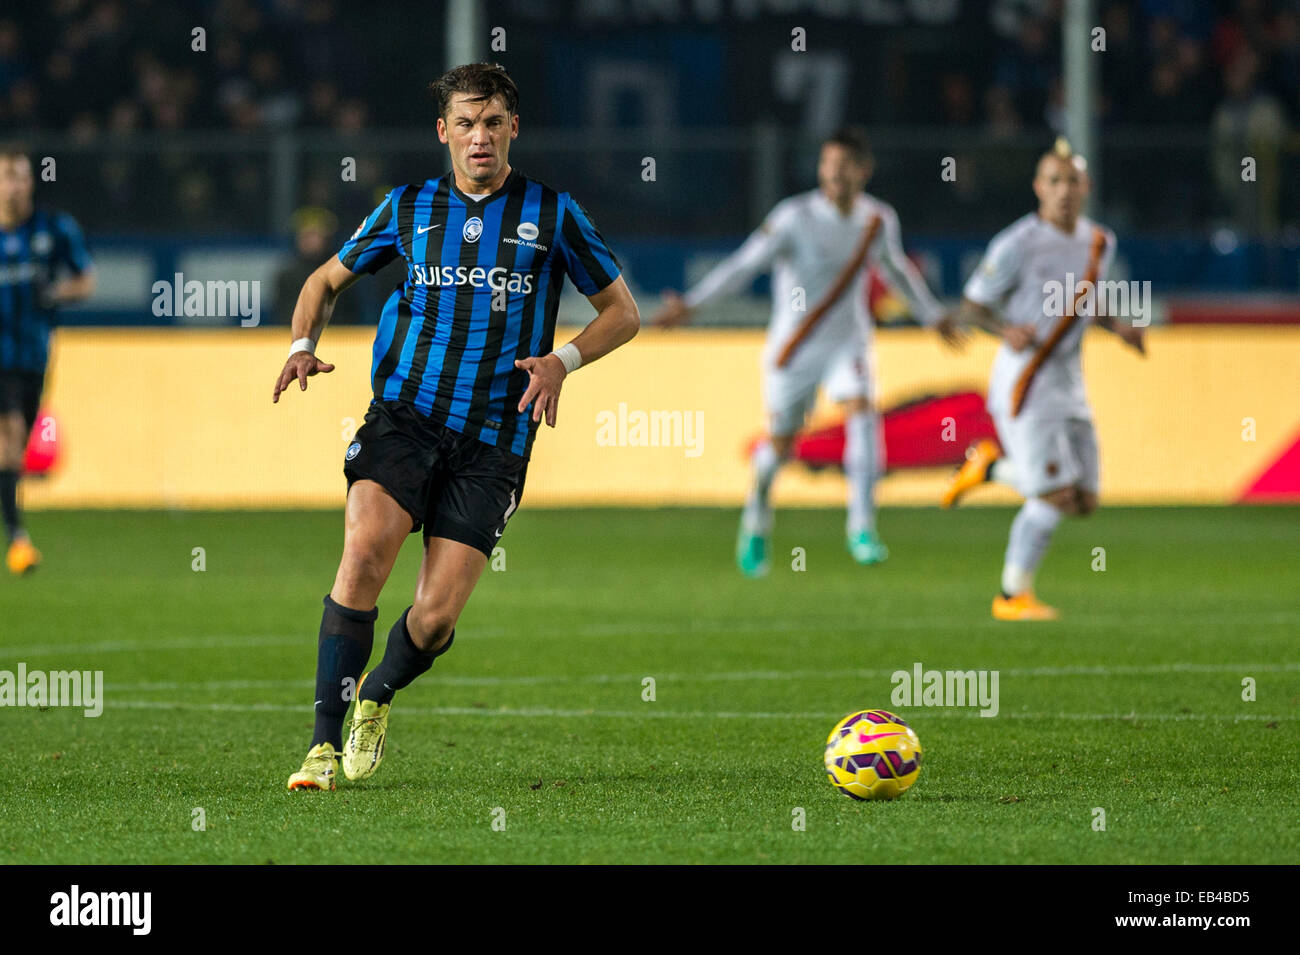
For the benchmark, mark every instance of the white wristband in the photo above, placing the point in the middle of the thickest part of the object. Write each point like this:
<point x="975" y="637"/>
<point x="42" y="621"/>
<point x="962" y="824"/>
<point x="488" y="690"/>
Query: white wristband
<point x="570" y="356"/>
<point x="302" y="344"/>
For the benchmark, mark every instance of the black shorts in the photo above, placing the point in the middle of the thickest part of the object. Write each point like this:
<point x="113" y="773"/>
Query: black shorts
<point x="21" y="391"/>
<point x="454" y="485"/>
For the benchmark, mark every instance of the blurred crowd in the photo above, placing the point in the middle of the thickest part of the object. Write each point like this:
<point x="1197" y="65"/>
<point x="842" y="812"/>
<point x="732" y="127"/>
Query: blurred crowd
<point x="98" y="71"/>
<point x="117" y="66"/>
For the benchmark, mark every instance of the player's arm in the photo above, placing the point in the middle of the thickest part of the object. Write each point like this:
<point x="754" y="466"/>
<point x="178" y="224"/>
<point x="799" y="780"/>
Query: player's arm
<point x="730" y="275"/>
<point x="971" y="313"/>
<point x="71" y="254"/>
<point x="616" y="323"/>
<point x="903" y="276"/>
<point x="375" y="243"/>
<point x="997" y="274"/>
<point x="1125" y="331"/>
<point x="71" y="288"/>
<point x="310" y="316"/>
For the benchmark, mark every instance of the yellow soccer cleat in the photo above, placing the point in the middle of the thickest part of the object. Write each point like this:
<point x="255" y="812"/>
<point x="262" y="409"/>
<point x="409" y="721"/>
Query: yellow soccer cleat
<point x="23" y="558"/>
<point x="971" y="474"/>
<point x="364" y="747"/>
<point x="319" y="769"/>
<point x="1022" y="607"/>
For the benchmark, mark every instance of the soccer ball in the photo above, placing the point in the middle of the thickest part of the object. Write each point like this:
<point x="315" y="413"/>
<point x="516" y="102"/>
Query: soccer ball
<point x="873" y="754"/>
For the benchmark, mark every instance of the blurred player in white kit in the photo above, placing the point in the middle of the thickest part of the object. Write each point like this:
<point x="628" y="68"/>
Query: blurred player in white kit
<point x="1036" y="394"/>
<point x="808" y="241"/>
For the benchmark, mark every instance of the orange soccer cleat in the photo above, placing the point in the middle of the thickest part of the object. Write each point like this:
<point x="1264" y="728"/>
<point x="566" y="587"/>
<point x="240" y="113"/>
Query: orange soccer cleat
<point x="973" y="473"/>
<point x="23" y="558"/>
<point x="1022" y="607"/>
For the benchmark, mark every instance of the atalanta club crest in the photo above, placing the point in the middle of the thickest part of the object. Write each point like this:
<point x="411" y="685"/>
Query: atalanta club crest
<point x="473" y="229"/>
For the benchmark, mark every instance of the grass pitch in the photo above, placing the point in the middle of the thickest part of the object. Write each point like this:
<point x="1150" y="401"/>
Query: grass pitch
<point x="1131" y="704"/>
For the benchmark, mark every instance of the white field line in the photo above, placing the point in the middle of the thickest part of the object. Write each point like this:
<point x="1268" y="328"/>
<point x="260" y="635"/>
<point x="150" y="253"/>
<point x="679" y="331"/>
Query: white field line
<point x="655" y="712"/>
<point x="862" y="625"/>
<point x="734" y="676"/>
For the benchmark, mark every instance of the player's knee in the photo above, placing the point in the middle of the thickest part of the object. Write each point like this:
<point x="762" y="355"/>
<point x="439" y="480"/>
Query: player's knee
<point x="11" y="447"/>
<point x="363" y="566"/>
<point x="1087" y="503"/>
<point x="854" y="406"/>
<point x="430" y="624"/>
<point x="782" y="444"/>
<point x="1065" y="500"/>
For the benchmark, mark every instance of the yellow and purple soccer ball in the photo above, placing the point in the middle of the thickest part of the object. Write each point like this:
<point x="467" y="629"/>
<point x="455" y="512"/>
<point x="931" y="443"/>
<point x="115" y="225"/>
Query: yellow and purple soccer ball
<point x="873" y="754"/>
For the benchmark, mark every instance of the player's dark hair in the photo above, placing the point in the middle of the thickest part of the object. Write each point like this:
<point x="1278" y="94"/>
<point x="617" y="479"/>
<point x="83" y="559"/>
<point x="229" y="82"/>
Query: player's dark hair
<point x="854" y="139"/>
<point x="482" y="80"/>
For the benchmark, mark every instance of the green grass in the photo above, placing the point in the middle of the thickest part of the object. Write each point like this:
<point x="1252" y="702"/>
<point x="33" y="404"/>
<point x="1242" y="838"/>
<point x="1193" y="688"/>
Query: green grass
<point x="1132" y="703"/>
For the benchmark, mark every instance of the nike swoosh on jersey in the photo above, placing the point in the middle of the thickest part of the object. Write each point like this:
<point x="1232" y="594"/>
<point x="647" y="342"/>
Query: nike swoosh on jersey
<point x="422" y="229"/>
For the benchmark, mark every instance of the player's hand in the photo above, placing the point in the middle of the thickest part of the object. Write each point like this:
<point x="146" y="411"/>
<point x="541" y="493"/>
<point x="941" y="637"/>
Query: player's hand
<point x="1133" y="337"/>
<point x="301" y="365"/>
<point x="674" y="311"/>
<point x="545" y="375"/>
<point x="950" y="330"/>
<point x="46" y="293"/>
<point x="1019" y="337"/>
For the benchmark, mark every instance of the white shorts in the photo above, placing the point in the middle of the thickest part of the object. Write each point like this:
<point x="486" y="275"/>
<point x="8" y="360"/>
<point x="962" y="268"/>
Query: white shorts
<point x="790" y="392"/>
<point x="1050" y="453"/>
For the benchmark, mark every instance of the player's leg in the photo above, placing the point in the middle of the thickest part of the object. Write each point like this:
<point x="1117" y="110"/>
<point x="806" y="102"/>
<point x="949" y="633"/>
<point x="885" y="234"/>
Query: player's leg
<point x="388" y="468"/>
<point x="788" y="393"/>
<point x="756" y="516"/>
<point x="1050" y="472"/>
<point x="375" y="526"/>
<point x="478" y="488"/>
<point x="20" y="395"/>
<point x="1083" y="442"/>
<point x="1027" y="544"/>
<point x="425" y="631"/>
<point x="984" y="462"/>
<point x="849" y="383"/>
<point x="863" y="466"/>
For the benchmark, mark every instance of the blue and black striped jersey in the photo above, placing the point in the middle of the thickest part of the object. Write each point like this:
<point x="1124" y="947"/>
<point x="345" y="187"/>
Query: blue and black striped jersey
<point x="32" y="254"/>
<point x="483" y="280"/>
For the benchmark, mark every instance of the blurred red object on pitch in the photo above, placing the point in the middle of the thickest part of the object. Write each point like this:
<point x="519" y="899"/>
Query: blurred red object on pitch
<point x="927" y="432"/>
<point x="42" y="445"/>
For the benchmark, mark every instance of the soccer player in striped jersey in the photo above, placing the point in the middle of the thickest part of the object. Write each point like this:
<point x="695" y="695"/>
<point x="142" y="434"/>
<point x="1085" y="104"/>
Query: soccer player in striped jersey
<point x="463" y="373"/>
<point x="808" y="241"/>
<point x="1036" y="394"/>
<point x="43" y="264"/>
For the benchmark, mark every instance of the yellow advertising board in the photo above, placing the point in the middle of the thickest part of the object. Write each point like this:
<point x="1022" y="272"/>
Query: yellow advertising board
<point x="165" y="418"/>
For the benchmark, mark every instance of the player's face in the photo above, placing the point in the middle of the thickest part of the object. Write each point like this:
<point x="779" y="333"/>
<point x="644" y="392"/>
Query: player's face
<point x="15" y="184"/>
<point x="1061" y="188"/>
<point x="840" y="174"/>
<point x="478" y="135"/>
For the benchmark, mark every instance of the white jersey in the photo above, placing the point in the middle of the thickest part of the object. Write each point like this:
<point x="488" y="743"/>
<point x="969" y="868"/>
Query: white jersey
<point x="1014" y="278"/>
<point x="806" y="242"/>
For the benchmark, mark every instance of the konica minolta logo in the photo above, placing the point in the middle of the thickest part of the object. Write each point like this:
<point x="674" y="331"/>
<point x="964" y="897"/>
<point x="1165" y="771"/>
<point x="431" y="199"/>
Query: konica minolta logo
<point x="527" y="232"/>
<point x="477" y="277"/>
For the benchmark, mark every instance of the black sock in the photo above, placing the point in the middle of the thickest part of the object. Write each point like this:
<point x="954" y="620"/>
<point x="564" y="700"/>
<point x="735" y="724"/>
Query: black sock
<point x="9" y="503"/>
<point x="403" y="661"/>
<point x="346" y="639"/>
